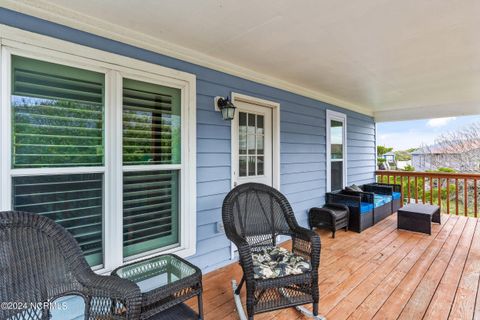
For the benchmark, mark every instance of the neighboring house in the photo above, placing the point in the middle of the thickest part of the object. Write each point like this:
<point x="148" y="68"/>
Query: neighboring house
<point x="131" y="156"/>
<point x="463" y="157"/>
<point x="389" y="156"/>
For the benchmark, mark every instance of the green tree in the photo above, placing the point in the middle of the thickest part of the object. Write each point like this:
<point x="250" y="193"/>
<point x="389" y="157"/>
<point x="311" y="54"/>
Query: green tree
<point x="381" y="150"/>
<point x="403" y="155"/>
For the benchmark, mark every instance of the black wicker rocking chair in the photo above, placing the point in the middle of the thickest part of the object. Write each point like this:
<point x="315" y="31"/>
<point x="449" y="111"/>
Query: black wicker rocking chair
<point x="40" y="262"/>
<point x="254" y="215"/>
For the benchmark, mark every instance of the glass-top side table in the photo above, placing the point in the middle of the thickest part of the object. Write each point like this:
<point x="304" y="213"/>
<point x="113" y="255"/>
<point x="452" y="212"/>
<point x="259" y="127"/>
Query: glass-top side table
<point x="164" y="281"/>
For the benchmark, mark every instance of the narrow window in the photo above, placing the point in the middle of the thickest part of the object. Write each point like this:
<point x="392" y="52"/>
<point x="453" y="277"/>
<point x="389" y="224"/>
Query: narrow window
<point x="151" y="158"/>
<point x="336" y="150"/>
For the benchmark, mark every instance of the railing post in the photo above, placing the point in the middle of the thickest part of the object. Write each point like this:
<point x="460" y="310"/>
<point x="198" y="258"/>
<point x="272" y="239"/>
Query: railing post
<point x="416" y="189"/>
<point x="456" y="196"/>
<point x="431" y="189"/>
<point x="448" y="196"/>
<point x="475" y="195"/>
<point x="402" y="193"/>
<point x="408" y="188"/>
<point x="423" y="189"/>
<point x="465" y="196"/>
<point x="439" y="191"/>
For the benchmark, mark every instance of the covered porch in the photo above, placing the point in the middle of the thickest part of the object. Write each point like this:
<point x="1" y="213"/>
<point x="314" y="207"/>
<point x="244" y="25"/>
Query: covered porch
<point x="382" y="273"/>
<point x="139" y="88"/>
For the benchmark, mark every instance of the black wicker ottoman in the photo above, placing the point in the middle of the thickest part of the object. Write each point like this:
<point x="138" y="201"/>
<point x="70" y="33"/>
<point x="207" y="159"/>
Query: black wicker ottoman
<point x="418" y="217"/>
<point x="332" y="217"/>
<point x="165" y="281"/>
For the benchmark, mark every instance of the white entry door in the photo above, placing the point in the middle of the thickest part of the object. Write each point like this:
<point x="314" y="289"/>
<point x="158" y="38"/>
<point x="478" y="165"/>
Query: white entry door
<point x="252" y="144"/>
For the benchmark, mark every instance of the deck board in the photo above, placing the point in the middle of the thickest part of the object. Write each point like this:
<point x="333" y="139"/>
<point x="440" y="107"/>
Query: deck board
<point x="382" y="273"/>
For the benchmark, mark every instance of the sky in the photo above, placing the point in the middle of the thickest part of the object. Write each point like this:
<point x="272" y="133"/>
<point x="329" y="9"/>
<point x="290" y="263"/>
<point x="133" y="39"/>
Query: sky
<point x="403" y="135"/>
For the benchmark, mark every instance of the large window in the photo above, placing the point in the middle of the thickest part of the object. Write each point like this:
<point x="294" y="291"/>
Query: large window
<point x="105" y="151"/>
<point x="57" y="116"/>
<point x="336" y="150"/>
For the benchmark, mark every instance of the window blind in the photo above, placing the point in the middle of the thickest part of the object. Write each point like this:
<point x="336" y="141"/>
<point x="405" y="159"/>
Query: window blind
<point x="57" y="114"/>
<point x="151" y="123"/>
<point x="75" y="201"/>
<point x="150" y="210"/>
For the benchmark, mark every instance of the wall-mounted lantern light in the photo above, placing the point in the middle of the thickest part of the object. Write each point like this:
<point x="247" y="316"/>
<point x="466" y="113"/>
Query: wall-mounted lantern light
<point x="226" y="107"/>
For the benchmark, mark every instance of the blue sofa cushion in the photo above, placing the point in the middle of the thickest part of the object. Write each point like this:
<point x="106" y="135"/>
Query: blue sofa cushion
<point x="365" y="207"/>
<point x="386" y="198"/>
<point x="396" y="195"/>
<point x="378" y="200"/>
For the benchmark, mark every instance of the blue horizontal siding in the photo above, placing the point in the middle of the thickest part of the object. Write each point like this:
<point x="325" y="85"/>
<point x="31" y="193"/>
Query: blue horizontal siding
<point x="302" y="136"/>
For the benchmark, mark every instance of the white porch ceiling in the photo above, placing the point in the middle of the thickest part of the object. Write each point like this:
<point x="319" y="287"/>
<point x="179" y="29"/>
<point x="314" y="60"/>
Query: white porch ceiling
<point x="394" y="59"/>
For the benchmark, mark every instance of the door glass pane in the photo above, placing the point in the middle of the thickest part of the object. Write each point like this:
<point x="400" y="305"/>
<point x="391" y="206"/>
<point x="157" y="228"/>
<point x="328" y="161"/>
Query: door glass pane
<point x="242" y="144"/>
<point x="57" y="115"/>
<point x="252" y="165"/>
<point x="243" y="166"/>
<point x="242" y="134"/>
<point x="242" y="122"/>
<point x="260" y="166"/>
<point x="260" y="140"/>
<point x="336" y="139"/>
<point x="75" y="201"/>
<point x="151" y="123"/>
<point x="251" y="144"/>
<point x="260" y="129"/>
<point x="336" y="175"/>
<point x="251" y="123"/>
<point x="150" y="210"/>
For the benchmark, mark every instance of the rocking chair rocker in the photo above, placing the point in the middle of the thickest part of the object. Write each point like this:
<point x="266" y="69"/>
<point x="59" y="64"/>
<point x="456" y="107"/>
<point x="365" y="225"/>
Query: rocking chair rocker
<point x="254" y="215"/>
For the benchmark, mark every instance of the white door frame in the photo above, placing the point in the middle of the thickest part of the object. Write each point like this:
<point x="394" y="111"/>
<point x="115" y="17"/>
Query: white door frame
<point x="342" y="117"/>
<point x="275" y="106"/>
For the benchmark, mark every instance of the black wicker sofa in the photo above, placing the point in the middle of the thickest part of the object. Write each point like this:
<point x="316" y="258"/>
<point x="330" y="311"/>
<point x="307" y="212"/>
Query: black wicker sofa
<point x="368" y="204"/>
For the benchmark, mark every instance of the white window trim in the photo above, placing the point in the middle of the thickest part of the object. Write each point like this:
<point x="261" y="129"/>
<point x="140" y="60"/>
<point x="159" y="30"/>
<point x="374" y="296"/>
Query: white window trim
<point x="19" y="42"/>
<point x="333" y="115"/>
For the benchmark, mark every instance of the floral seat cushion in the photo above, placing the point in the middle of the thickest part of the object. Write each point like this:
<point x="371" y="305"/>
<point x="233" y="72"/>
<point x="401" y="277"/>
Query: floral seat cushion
<point x="277" y="262"/>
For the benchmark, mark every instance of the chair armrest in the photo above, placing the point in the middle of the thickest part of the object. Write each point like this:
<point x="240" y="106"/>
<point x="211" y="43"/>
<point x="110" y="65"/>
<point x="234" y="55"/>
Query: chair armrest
<point x="115" y="288"/>
<point x="307" y="243"/>
<point x="245" y="254"/>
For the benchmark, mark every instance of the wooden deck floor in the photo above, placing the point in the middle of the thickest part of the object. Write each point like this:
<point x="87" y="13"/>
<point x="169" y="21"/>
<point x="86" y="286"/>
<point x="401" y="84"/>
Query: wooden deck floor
<point x="383" y="273"/>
